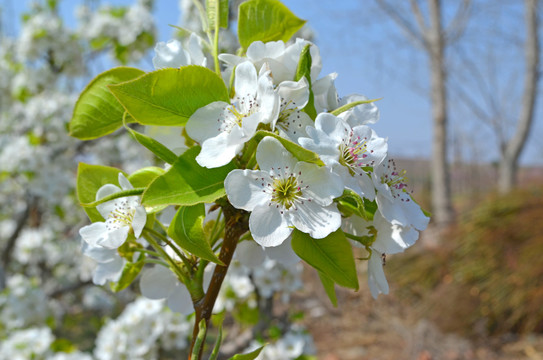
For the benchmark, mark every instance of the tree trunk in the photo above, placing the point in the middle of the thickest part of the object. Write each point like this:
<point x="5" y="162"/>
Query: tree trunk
<point x="507" y="175"/>
<point x="441" y="187"/>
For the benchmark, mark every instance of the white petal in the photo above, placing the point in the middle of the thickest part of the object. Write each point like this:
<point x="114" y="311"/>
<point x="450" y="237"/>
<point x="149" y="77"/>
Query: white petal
<point x="360" y="114"/>
<point x="392" y="238"/>
<point x="270" y="154"/>
<point x="138" y="223"/>
<point x="94" y="233"/>
<point x="391" y="210"/>
<point x="115" y="238"/>
<point x="325" y="93"/>
<point x="230" y="59"/>
<point x="268" y="227"/>
<point x="295" y="125"/>
<point x="319" y="142"/>
<point x="283" y="253"/>
<point x="170" y="54"/>
<point x="322" y="185"/>
<point x="157" y="283"/>
<point x="417" y="219"/>
<point x="268" y="99"/>
<point x="195" y="50"/>
<point x="125" y="184"/>
<point x="203" y="125"/>
<point x="316" y="220"/>
<point x="332" y="126"/>
<point x="99" y="253"/>
<point x="250" y="254"/>
<point x="376" y="276"/>
<point x="294" y="94"/>
<point x="246" y="80"/>
<point x="219" y="150"/>
<point x="111" y="271"/>
<point x="259" y="50"/>
<point x="245" y="188"/>
<point x="180" y="300"/>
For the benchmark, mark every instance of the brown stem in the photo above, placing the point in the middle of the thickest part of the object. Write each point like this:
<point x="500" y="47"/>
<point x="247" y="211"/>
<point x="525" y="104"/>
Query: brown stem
<point x="236" y="224"/>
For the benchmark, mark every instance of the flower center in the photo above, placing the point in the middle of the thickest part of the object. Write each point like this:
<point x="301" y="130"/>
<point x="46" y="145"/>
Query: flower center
<point x="396" y="180"/>
<point x="354" y="152"/>
<point x="286" y="191"/>
<point x="243" y="107"/>
<point x="121" y="216"/>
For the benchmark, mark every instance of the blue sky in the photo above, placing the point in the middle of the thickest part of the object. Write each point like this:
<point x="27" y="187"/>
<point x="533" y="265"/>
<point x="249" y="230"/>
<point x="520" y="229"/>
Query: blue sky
<point x="372" y="58"/>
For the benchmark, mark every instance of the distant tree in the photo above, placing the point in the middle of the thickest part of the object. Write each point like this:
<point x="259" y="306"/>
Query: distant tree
<point x="428" y="33"/>
<point x="488" y="83"/>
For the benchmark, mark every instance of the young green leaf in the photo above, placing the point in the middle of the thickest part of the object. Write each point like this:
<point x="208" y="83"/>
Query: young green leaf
<point x="97" y="112"/>
<point x="170" y="96"/>
<point x="187" y="230"/>
<point x="349" y="106"/>
<point x="299" y="152"/>
<point x="211" y="9"/>
<point x="187" y="183"/>
<point x="161" y="151"/>
<point x="90" y="178"/>
<point x="249" y="356"/>
<point x="266" y="20"/>
<point x="304" y="70"/>
<point x="144" y="176"/>
<point x="328" y="285"/>
<point x="333" y="256"/>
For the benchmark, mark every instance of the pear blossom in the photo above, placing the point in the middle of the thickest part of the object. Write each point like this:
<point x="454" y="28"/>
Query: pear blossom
<point x="285" y="194"/>
<point x="349" y="151"/>
<point x="292" y="121"/>
<point x="109" y="264"/>
<point x="172" y="53"/>
<point x="377" y="280"/>
<point x="122" y="215"/>
<point x="393" y="200"/>
<point x="222" y="129"/>
<point x="160" y="283"/>
<point x="363" y="114"/>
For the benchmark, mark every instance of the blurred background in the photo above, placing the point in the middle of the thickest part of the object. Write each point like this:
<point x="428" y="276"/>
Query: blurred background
<point x="461" y="107"/>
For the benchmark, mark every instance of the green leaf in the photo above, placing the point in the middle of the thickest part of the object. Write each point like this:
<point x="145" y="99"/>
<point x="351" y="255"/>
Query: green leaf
<point x="328" y="285"/>
<point x="249" y="356"/>
<point x="304" y="69"/>
<point x="144" y="176"/>
<point x="266" y="20"/>
<point x="352" y="203"/>
<point x="161" y="151"/>
<point x="187" y="183"/>
<point x="170" y="96"/>
<point x="90" y="178"/>
<point x="349" y="106"/>
<point x="119" y="194"/>
<point x="130" y="272"/>
<point x="97" y="112"/>
<point x="299" y="152"/>
<point x="211" y="9"/>
<point x="333" y="256"/>
<point x="187" y="230"/>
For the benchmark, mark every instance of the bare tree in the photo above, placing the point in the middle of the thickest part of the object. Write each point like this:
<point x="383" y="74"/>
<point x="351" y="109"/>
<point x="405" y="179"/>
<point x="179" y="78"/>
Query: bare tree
<point x="512" y="149"/>
<point x="489" y="91"/>
<point x="428" y="33"/>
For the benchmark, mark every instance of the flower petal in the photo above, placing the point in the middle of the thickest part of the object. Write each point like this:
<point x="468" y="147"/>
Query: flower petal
<point x="246" y="79"/>
<point x="138" y="223"/>
<point x="270" y="154"/>
<point x="110" y="270"/>
<point x="202" y="125"/>
<point x="157" y="283"/>
<point x="180" y="300"/>
<point x="114" y="238"/>
<point x="125" y="184"/>
<point x="246" y="188"/>
<point x="316" y="220"/>
<point x="268" y="227"/>
<point x="250" y="254"/>
<point x="295" y="125"/>
<point x="360" y="114"/>
<point x="283" y="253"/>
<point x="219" y="150"/>
<point x="376" y="276"/>
<point x="94" y="233"/>
<point x="322" y="186"/>
<point x="294" y="94"/>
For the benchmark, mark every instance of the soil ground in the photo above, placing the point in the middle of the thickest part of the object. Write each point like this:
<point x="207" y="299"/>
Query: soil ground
<point x="389" y="328"/>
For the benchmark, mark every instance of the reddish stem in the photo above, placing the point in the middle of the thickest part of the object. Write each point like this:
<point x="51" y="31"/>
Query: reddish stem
<point x="236" y="224"/>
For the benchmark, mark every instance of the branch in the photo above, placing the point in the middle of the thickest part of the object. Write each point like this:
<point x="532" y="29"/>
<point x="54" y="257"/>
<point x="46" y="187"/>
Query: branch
<point x="237" y="223"/>
<point x="418" y="37"/>
<point x="456" y="27"/>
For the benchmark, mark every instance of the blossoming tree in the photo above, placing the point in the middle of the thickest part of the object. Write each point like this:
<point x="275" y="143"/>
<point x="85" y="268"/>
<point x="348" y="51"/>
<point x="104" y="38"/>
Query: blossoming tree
<point x="266" y="161"/>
